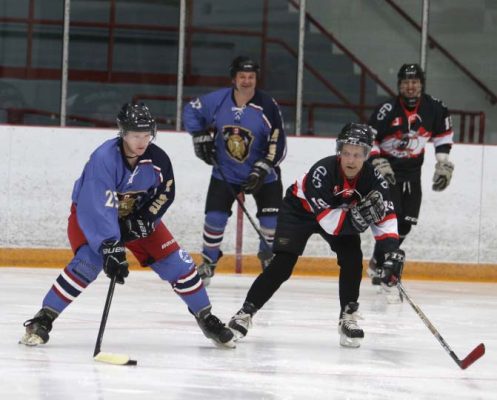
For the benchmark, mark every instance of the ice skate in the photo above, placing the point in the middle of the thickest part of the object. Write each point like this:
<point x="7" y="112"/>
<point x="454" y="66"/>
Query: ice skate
<point x="241" y="322"/>
<point x="207" y="268"/>
<point x="214" y="329"/>
<point x="351" y="334"/>
<point x="38" y="328"/>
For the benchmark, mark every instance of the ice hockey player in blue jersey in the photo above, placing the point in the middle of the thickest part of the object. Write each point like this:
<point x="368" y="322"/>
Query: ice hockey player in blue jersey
<point x="125" y="188"/>
<point x="403" y="126"/>
<point x="239" y="131"/>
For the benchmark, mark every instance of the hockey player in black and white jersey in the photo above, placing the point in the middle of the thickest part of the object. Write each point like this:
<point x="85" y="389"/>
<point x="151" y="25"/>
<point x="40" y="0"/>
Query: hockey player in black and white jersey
<point x="403" y="126"/>
<point x="338" y="198"/>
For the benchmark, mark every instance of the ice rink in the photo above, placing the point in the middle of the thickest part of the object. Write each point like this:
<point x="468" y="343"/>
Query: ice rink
<point x="292" y="352"/>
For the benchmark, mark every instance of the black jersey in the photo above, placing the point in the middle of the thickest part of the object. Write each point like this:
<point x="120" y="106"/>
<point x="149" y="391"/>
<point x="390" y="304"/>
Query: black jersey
<point x="326" y="193"/>
<point x="402" y="134"/>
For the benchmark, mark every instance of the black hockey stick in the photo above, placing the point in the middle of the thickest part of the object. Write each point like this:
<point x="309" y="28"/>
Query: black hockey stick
<point x="477" y="352"/>
<point x="242" y="206"/>
<point x="110" y="358"/>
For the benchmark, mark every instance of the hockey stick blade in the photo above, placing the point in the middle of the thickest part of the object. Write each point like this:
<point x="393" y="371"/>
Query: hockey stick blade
<point x="115" y="359"/>
<point x="477" y="353"/>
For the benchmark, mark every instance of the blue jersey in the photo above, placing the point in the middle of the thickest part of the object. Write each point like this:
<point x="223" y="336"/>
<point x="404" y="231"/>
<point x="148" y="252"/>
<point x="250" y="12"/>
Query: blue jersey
<point x="243" y="135"/>
<point x="109" y="189"/>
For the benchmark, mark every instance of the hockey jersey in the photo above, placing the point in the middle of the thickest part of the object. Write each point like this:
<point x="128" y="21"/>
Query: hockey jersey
<point x="326" y="194"/>
<point x="402" y="134"/>
<point x="243" y="135"/>
<point x="109" y="189"/>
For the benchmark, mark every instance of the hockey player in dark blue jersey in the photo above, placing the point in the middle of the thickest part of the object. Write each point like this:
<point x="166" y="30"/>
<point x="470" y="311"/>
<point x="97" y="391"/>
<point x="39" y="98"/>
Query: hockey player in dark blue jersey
<point x="238" y="130"/>
<point x="404" y="125"/>
<point x="125" y="189"/>
<point x="338" y="198"/>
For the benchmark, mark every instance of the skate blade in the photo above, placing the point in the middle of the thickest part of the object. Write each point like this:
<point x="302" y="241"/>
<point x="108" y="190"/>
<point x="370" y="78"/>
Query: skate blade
<point x="345" y="341"/>
<point x="228" y="345"/>
<point x="31" y="340"/>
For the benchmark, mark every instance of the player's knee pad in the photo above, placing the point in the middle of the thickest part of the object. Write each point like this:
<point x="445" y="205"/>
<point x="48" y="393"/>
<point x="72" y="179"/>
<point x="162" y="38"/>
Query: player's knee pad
<point x="216" y="220"/>
<point x="73" y="280"/>
<point x="268" y="222"/>
<point x="179" y="270"/>
<point x="86" y="264"/>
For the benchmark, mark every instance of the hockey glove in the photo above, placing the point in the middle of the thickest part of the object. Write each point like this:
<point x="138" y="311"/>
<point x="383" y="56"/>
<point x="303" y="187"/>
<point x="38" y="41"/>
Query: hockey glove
<point x="135" y="227"/>
<point x="115" y="263"/>
<point x="392" y="267"/>
<point x="442" y="175"/>
<point x="385" y="169"/>
<point x="203" y="144"/>
<point x="256" y="178"/>
<point x="369" y="210"/>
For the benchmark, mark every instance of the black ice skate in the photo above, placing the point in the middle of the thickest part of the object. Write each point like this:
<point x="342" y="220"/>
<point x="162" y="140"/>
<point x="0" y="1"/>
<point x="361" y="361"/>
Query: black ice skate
<point x="351" y="334"/>
<point x="38" y="328"/>
<point x="241" y="322"/>
<point x="207" y="268"/>
<point x="214" y="329"/>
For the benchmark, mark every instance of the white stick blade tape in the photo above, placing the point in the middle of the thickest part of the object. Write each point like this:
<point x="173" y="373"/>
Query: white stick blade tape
<point x="111" y="358"/>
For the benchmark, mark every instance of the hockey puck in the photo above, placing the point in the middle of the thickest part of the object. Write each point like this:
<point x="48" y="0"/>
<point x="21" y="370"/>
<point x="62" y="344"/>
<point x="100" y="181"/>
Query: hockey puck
<point x="132" y="362"/>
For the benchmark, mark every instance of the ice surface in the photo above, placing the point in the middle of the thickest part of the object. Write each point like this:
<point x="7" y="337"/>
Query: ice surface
<point x="292" y="352"/>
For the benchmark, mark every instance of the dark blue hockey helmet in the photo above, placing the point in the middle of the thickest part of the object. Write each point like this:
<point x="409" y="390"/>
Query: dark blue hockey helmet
<point x="243" y="64"/>
<point x="357" y="135"/>
<point x="136" y="117"/>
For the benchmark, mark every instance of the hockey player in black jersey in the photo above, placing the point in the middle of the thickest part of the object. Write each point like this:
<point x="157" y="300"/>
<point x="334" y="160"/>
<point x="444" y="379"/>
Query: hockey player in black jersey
<point x="403" y="126"/>
<point x="340" y="197"/>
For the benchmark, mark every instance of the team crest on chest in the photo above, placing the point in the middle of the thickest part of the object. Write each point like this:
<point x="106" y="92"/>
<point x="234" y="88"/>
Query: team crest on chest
<point x="128" y="202"/>
<point x="237" y="141"/>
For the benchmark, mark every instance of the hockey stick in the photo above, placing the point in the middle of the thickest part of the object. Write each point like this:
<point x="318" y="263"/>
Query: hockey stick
<point x="109" y="358"/>
<point x="242" y="206"/>
<point x="477" y="352"/>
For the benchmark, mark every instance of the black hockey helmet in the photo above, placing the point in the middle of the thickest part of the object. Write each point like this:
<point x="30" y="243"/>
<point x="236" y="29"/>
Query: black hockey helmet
<point x="357" y="135"/>
<point x="410" y="71"/>
<point x="136" y="117"/>
<point x="245" y="64"/>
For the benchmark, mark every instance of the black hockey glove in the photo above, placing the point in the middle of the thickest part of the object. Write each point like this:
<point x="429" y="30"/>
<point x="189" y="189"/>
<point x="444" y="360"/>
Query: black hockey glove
<point x="442" y="176"/>
<point x="256" y="178"/>
<point x="115" y="263"/>
<point x="392" y="267"/>
<point x="135" y="227"/>
<point x="203" y="144"/>
<point x="369" y="210"/>
<point x="383" y="166"/>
